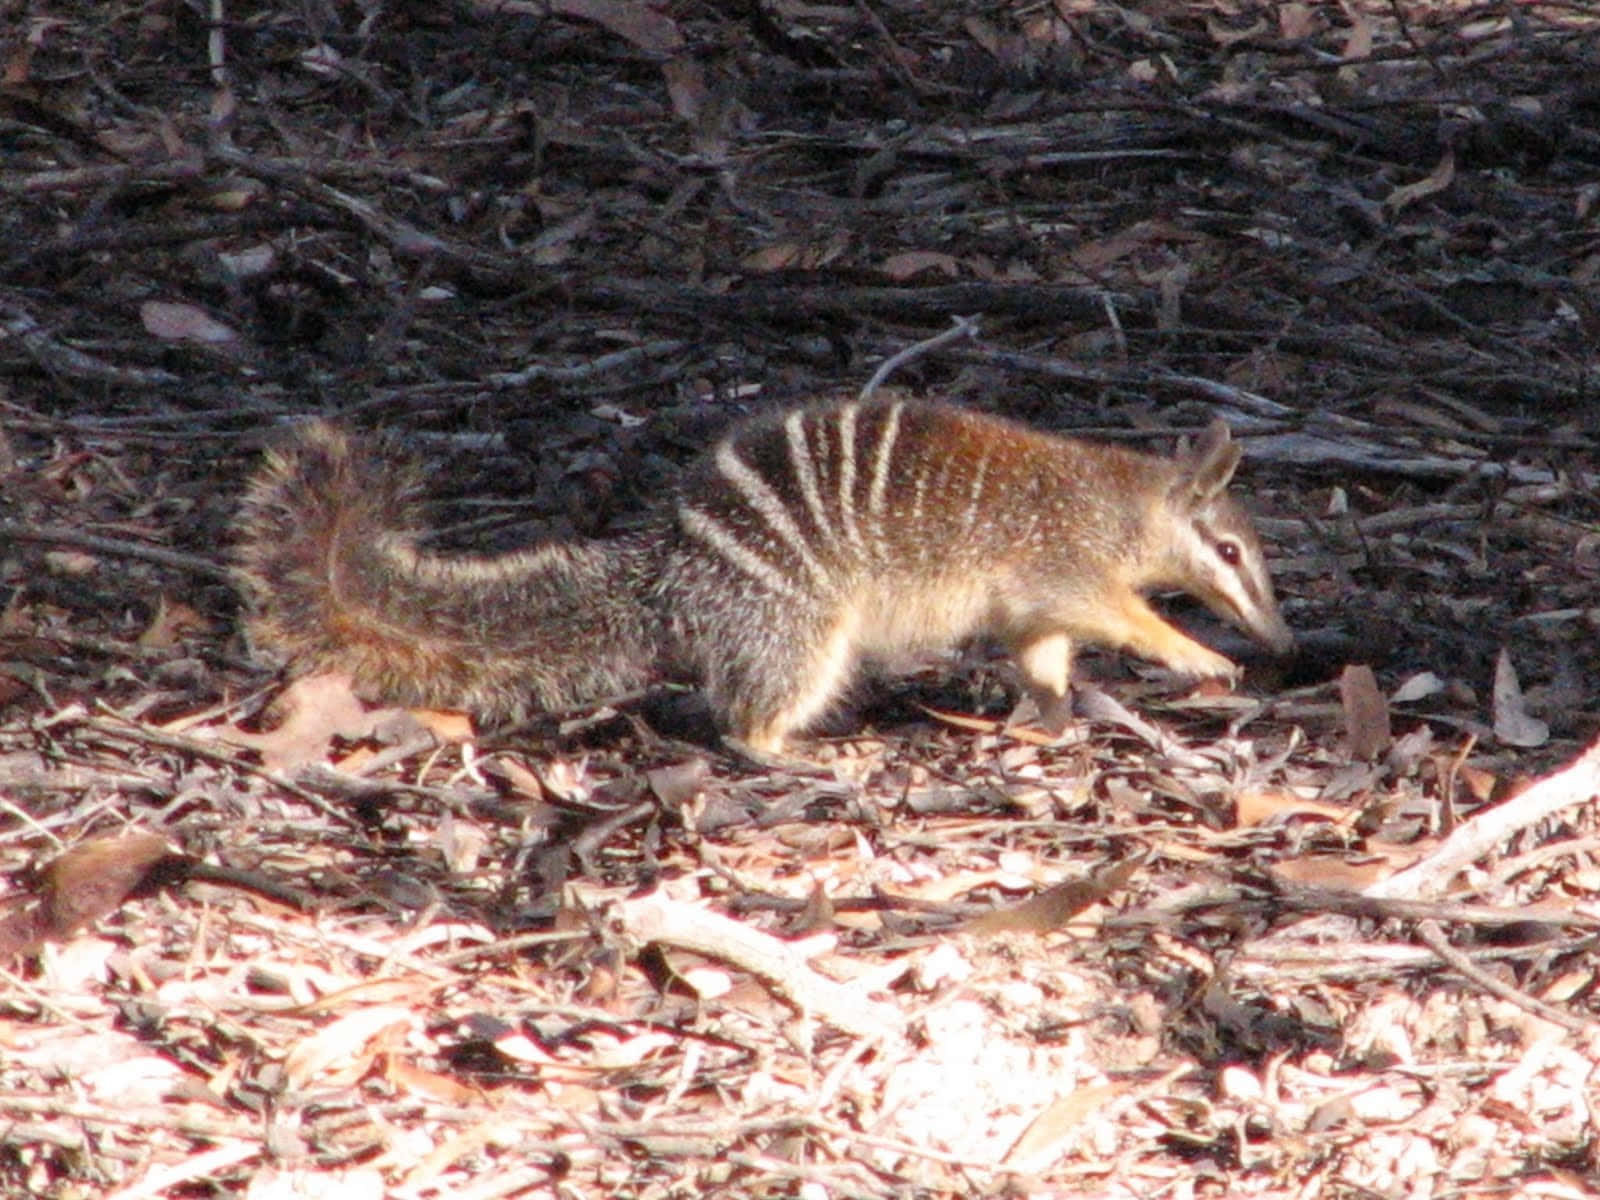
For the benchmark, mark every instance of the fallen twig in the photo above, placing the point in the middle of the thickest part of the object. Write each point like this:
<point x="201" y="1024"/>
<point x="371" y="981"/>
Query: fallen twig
<point x="1577" y="782"/>
<point x="61" y="535"/>
<point x="658" y="918"/>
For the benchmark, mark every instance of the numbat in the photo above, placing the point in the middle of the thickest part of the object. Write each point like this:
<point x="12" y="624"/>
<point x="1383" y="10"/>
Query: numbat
<point x="800" y="543"/>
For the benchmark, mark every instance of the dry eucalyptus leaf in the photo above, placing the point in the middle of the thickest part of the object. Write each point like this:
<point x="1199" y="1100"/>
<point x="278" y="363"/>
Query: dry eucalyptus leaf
<point x="1054" y="907"/>
<point x="903" y="266"/>
<point x="678" y="783"/>
<point x="184" y="323"/>
<point x="1366" y="712"/>
<point x="316" y="709"/>
<point x="1418" y="687"/>
<point x="1441" y="178"/>
<point x="1512" y="723"/>
<point x="173" y="621"/>
<point x="83" y="885"/>
<point x="1258" y="806"/>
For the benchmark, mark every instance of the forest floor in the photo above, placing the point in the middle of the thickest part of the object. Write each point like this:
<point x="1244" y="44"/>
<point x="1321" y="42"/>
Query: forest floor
<point x="1328" y="934"/>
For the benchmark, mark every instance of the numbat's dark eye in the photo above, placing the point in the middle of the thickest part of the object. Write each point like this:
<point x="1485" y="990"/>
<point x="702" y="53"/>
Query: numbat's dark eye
<point x="1229" y="553"/>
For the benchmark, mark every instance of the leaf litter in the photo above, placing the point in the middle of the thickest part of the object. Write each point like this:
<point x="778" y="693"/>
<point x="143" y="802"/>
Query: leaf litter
<point x="1327" y="936"/>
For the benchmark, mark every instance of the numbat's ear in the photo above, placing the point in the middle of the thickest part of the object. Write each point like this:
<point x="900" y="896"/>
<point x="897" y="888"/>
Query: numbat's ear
<point x="1209" y="465"/>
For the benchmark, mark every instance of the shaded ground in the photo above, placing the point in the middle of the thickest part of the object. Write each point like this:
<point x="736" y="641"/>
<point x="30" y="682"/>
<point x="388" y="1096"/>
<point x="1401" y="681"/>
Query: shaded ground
<point x="556" y="250"/>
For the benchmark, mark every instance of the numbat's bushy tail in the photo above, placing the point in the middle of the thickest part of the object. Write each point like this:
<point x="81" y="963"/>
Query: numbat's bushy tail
<point x="329" y="564"/>
<point x="800" y="543"/>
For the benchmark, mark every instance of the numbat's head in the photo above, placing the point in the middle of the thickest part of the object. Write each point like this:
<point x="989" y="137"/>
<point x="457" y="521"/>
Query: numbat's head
<point x="1211" y="547"/>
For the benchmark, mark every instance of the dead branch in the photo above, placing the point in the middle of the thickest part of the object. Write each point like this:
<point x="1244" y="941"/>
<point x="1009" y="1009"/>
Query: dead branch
<point x="656" y="918"/>
<point x="1576" y="783"/>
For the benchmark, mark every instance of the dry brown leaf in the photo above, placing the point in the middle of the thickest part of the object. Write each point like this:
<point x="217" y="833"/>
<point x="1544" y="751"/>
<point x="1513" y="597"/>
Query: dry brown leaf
<point x="449" y="727"/>
<point x="1021" y="48"/>
<point x="706" y="980"/>
<point x="1257" y="806"/>
<point x="323" y="60"/>
<point x="83" y="885"/>
<point x="110" y="1068"/>
<point x="1097" y="254"/>
<point x="819" y="912"/>
<point x="809" y="256"/>
<point x="1147" y="71"/>
<point x="559" y="241"/>
<point x="18" y="63"/>
<point x="1049" y="1135"/>
<point x="354" y="761"/>
<point x="1296" y="21"/>
<point x="778" y="256"/>
<point x="523" y="781"/>
<point x="1417" y="687"/>
<point x="1481" y="785"/>
<point x="390" y="727"/>
<point x="676" y="784"/>
<point x="16" y="617"/>
<point x="1046" y="32"/>
<point x="1569" y="985"/>
<point x="1358" y="45"/>
<point x="1328" y="872"/>
<point x="231" y="195"/>
<point x="315" y="709"/>
<point x="184" y="323"/>
<point x="1068" y="735"/>
<point x="1437" y="181"/>
<point x="342" y="1052"/>
<point x="1055" y="906"/>
<point x="173" y="620"/>
<point x="901" y="267"/>
<point x="1226" y="36"/>
<point x="1021" y="733"/>
<point x="1379" y="860"/>
<point x="413" y="1080"/>
<point x="391" y="989"/>
<point x="1512" y="723"/>
<point x="172" y="137"/>
<point x="1366" y="712"/>
<point x="632" y="20"/>
<point x="70" y="564"/>
<point x="131" y="141"/>
<point x="566" y="779"/>
<point x="965" y="720"/>
<point x="611" y="1050"/>
<point x="686" y="87"/>
<point x="517" y="1046"/>
<point x="945" y="887"/>
<point x="1009" y="49"/>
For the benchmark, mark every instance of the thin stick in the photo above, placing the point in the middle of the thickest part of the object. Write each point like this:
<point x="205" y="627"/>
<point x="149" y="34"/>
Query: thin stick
<point x="1433" y="935"/>
<point x="780" y="965"/>
<point x="1575" y="783"/>
<point x="61" y="535"/>
<point x="964" y="327"/>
